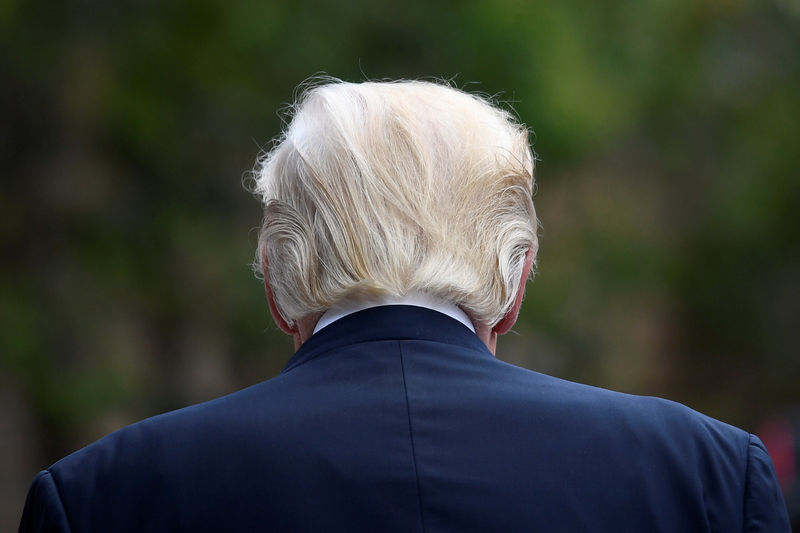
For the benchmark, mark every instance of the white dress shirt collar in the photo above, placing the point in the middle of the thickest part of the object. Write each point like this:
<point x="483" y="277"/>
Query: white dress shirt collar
<point x="343" y="309"/>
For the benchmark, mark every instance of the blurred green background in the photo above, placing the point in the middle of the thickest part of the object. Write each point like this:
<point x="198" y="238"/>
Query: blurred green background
<point x="668" y="188"/>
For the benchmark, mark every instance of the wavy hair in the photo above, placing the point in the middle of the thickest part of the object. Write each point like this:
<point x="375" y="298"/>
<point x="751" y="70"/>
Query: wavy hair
<point x="380" y="189"/>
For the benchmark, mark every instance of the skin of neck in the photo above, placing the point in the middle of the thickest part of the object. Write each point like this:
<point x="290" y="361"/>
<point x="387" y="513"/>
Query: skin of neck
<point x="303" y="328"/>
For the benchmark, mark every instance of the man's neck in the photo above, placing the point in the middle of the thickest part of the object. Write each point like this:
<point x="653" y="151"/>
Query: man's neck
<point x="308" y="325"/>
<point x="345" y="308"/>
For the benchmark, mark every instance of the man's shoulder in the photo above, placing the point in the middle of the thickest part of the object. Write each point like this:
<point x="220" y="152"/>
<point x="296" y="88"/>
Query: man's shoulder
<point x="179" y="427"/>
<point x="645" y="448"/>
<point x="141" y="468"/>
<point x="635" y="420"/>
<point x="169" y="441"/>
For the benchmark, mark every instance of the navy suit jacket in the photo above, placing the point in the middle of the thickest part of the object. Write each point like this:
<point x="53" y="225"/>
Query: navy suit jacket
<point x="398" y="418"/>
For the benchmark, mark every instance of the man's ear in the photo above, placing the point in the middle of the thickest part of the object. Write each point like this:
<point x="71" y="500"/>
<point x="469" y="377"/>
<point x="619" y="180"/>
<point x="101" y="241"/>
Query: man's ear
<point x="508" y="321"/>
<point x="273" y="309"/>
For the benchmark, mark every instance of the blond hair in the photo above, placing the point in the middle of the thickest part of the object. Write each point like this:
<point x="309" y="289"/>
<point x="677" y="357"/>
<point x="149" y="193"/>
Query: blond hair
<point x="381" y="189"/>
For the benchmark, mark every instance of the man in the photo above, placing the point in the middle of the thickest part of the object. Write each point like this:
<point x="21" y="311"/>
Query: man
<point x="398" y="235"/>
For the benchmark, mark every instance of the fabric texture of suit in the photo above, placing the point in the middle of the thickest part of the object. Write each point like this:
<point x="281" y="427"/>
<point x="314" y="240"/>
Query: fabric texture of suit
<point x="398" y="418"/>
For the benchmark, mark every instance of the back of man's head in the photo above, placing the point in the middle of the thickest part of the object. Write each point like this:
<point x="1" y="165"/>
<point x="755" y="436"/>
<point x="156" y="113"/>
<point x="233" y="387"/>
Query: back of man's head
<point x="378" y="190"/>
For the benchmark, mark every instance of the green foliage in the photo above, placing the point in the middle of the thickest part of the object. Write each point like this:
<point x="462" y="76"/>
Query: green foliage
<point x="668" y="189"/>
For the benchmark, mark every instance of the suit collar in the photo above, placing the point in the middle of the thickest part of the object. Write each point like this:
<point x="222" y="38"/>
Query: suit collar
<point x="418" y="299"/>
<point x="390" y="322"/>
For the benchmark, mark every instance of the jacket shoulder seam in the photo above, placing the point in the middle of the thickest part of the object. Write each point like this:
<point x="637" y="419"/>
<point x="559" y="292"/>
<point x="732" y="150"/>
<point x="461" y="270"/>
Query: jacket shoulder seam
<point x="63" y="509"/>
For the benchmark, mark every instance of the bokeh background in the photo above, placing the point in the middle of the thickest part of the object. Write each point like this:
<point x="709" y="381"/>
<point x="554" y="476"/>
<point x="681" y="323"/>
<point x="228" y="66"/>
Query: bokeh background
<point x="668" y="189"/>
